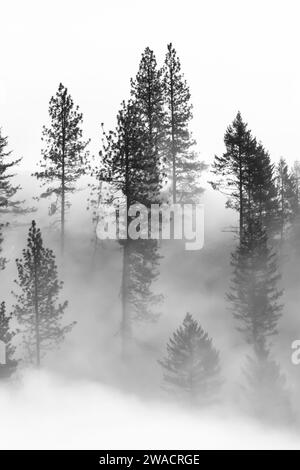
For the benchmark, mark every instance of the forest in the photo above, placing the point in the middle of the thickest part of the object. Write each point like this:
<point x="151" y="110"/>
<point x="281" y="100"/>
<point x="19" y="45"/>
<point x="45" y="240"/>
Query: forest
<point x="199" y="328"/>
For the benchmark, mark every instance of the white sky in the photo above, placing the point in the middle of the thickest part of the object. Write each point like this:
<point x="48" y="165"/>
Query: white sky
<point x="236" y="54"/>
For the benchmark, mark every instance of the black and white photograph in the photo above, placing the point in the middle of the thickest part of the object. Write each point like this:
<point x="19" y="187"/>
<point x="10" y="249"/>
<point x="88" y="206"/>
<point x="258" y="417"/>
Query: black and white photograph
<point x="149" y="228"/>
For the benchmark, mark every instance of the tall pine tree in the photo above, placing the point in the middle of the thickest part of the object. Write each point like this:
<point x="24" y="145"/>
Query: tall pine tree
<point x="9" y="203"/>
<point x="64" y="153"/>
<point x="246" y="176"/>
<point x="182" y="162"/>
<point x="37" y="309"/>
<point x="287" y="193"/>
<point x="147" y="94"/>
<point x="192" y="365"/>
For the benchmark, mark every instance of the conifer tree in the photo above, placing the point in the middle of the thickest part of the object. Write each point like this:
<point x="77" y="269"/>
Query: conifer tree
<point x="295" y="176"/>
<point x="182" y="163"/>
<point x="263" y="200"/>
<point x="246" y="175"/>
<point x="37" y="309"/>
<point x="192" y="365"/>
<point x="8" y="190"/>
<point x="254" y="294"/>
<point x="64" y="156"/>
<point x="147" y="94"/>
<point x="9" y="203"/>
<point x="255" y="304"/>
<point x="232" y="168"/>
<point x="287" y="193"/>
<point x="6" y="336"/>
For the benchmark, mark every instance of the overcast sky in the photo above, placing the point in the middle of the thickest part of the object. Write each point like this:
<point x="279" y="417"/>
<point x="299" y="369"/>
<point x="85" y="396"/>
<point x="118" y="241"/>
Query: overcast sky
<point x="236" y="55"/>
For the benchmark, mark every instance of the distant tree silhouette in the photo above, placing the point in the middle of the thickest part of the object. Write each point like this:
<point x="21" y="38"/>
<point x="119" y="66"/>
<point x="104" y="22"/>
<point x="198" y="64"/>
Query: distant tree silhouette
<point x="182" y="162"/>
<point x="7" y="335"/>
<point x="9" y="203"/>
<point x="63" y="155"/>
<point x="37" y="309"/>
<point x="231" y="169"/>
<point x="255" y="304"/>
<point x="192" y="366"/>
<point x="262" y="193"/>
<point x="287" y="193"/>
<point x="254" y="294"/>
<point x="246" y="176"/>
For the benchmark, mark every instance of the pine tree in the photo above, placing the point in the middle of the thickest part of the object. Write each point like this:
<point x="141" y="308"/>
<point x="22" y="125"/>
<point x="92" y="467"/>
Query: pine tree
<point x="37" y="309"/>
<point x="295" y="177"/>
<point x="147" y="94"/>
<point x="263" y="200"/>
<point x="8" y="190"/>
<point x="287" y="197"/>
<point x="232" y="168"/>
<point x="192" y="366"/>
<point x="9" y="204"/>
<point x="254" y="294"/>
<point x="255" y="304"/>
<point x="6" y="336"/>
<point x="182" y="163"/>
<point x="64" y="156"/>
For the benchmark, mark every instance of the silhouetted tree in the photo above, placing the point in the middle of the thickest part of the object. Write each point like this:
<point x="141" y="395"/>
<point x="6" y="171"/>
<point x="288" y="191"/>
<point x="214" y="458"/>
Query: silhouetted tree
<point x="232" y="168"/>
<point x="262" y="192"/>
<point x="9" y="204"/>
<point x="64" y="153"/>
<point x="37" y="309"/>
<point x="254" y="299"/>
<point x="7" y="335"/>
<point x="286" y="196"/>
<point x="254" y="294"/>
<point x="182" y="163"/>
<point x="147" y="94"/>
<point x="192" y="365"/>
<point x="8" y="190"/>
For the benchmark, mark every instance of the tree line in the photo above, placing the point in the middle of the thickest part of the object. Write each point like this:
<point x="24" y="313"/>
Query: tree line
<point x="148" y="157"/>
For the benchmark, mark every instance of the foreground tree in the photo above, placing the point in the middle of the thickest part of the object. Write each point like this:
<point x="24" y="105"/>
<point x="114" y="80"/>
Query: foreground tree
<point x="6" y="336"/>
<point x="192" y="366"/>
<point x="64" y="156"/>
<point x="182" y="162"/>
<point x="37" y="309"/>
